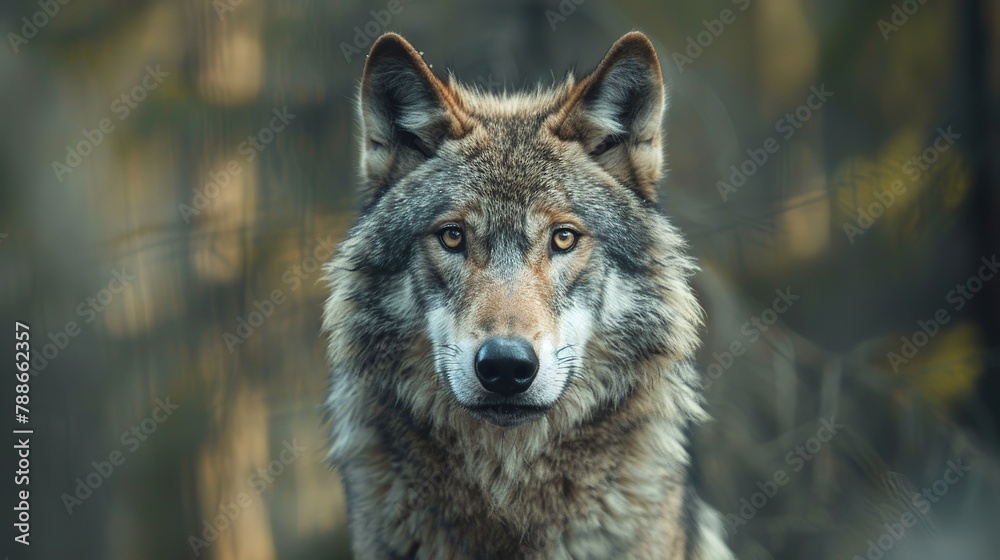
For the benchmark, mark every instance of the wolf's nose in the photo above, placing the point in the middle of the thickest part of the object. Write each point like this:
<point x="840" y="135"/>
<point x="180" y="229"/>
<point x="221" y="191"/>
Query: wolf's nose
<point x="506" y="366"/>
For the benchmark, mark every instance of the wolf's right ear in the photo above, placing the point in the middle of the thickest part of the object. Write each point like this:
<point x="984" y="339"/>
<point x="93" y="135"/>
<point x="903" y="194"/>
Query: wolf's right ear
<point x="406" y="112"/>
<point x="616" y="114"/>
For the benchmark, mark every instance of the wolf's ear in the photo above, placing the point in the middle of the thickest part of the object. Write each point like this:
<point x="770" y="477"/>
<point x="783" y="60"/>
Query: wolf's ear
<point x="406" y="112"/>
<point x="616" y="113"/>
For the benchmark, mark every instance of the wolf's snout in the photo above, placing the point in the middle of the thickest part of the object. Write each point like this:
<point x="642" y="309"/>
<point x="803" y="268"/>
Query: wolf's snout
<point x="506" y="366"/>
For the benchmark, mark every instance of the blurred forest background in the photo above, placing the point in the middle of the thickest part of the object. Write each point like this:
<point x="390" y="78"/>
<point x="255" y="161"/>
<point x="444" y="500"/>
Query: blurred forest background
<point x="208" y="149"/>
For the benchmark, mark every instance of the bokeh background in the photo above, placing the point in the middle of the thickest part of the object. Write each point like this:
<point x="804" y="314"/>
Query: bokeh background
<point x="212" y="225"/>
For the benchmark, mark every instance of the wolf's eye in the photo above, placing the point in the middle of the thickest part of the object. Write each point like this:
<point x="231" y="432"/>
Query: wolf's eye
<point x="452" y="238"/>
<point x="605" y="145"/>
<point x="563" y="240"/>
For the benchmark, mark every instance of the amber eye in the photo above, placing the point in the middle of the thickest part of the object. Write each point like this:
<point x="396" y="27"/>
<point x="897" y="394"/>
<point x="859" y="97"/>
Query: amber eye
<point x="563" y="240"/>
<point x="452" y="238"/>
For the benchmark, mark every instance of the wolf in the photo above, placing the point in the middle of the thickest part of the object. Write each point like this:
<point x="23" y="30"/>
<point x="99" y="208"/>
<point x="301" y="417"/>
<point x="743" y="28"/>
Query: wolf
<point x="510" y="326"/>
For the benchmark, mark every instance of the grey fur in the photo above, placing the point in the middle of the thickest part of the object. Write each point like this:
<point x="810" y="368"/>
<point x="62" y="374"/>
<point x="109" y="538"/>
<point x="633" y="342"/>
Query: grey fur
<point x="601" y="472"/>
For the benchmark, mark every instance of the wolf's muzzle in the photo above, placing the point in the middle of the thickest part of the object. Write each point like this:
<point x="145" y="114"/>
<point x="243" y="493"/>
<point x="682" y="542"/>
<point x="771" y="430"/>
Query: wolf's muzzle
<point x="506" y="366"/>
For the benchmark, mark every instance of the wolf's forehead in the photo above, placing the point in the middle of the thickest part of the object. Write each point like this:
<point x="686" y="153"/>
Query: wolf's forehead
<point x="511" y="136"/>
<point x="513" y="152"/>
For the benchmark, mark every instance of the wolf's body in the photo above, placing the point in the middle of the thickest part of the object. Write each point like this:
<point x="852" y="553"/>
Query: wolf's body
<point x="511" y="328"/>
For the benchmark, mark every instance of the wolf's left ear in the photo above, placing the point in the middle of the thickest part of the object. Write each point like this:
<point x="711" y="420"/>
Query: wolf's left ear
<point x="406" y="112"/>
<point x="616" y="114"/>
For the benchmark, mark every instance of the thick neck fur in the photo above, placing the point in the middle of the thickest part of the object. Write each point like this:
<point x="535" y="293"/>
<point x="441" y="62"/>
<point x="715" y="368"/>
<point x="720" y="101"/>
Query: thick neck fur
<point x="431" y="463"/>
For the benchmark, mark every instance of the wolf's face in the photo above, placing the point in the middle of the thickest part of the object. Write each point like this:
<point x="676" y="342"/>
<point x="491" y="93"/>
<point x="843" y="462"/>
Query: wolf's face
<point x="516" y="235"/>
<point x="498" y="289"/>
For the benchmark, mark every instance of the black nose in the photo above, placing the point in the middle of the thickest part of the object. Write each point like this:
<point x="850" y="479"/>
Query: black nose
<point x="506" y="366"/>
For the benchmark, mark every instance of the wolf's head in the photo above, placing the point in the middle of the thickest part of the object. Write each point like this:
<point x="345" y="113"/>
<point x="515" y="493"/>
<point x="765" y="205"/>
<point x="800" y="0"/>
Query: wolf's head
<point x="510" y="263"/>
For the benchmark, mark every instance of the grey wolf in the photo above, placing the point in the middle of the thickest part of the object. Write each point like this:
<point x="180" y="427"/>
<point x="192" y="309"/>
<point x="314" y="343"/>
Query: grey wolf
<point x="511" y="328"/>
